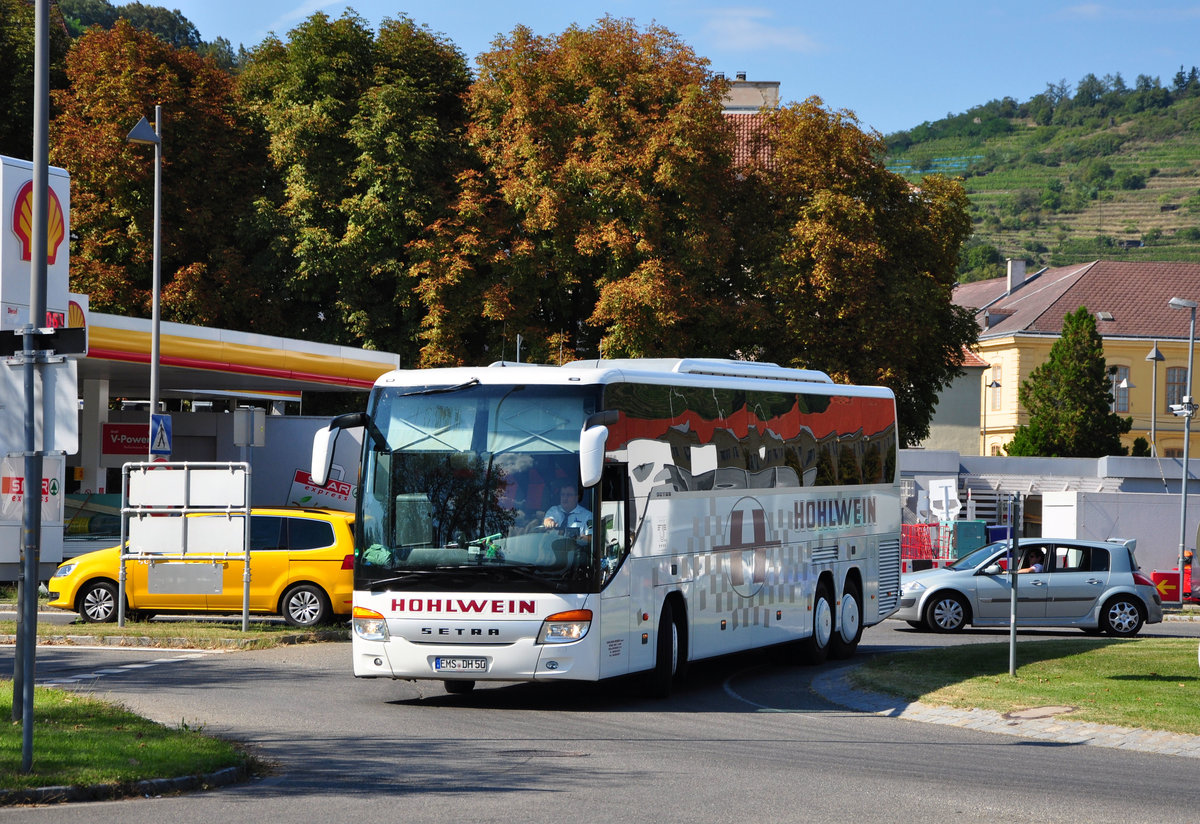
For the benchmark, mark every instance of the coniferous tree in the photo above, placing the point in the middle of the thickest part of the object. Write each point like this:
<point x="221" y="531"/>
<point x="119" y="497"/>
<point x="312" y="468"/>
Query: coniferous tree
<point x="1069" y="398"/>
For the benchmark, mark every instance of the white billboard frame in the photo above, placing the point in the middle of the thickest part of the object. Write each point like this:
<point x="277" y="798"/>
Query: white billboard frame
<point x="158" y="500"/>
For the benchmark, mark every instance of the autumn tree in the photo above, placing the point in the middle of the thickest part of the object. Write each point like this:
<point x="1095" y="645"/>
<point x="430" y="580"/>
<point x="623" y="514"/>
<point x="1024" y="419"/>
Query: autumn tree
<point x="1069" y="399"/>
<point x="365" y="136"/>
<point x="594" y="221"/>
<point x="857" y="265"/>
<point x="216" y="265"/>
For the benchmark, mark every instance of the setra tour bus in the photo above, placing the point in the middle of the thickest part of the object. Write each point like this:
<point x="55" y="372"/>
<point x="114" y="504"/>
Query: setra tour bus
<point x="602" y="518"/>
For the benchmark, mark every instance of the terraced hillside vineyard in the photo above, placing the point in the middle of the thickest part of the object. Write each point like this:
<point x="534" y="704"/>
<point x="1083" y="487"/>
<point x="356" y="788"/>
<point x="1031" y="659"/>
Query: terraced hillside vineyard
<point x="1110" y="172"/>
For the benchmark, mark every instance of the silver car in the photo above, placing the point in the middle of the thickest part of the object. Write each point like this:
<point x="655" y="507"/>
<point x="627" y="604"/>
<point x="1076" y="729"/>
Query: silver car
<point x="1093" y="585"/>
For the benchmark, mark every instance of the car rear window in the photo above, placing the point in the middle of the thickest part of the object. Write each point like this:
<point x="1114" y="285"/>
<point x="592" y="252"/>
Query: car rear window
<point x="305" y="533"/>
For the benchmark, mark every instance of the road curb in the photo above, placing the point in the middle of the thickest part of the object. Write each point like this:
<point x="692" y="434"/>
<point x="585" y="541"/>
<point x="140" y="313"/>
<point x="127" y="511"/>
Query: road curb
<point x="149" y="788"/>
<point x="835" y="686"/>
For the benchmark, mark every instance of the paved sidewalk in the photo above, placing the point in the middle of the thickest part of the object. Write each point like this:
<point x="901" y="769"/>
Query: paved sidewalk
<point x="835" y="686"/>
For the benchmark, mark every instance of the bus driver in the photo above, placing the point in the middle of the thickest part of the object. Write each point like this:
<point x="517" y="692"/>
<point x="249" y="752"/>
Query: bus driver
<point x="568" y="513"/>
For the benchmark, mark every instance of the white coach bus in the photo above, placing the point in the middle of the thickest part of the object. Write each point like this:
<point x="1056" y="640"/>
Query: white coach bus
<point x="602" y="518"/>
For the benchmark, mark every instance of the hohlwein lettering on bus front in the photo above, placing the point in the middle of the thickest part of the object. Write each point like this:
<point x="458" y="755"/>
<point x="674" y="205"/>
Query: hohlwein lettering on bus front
<point x="450" y="605"/>
<point x="610" y="518"/>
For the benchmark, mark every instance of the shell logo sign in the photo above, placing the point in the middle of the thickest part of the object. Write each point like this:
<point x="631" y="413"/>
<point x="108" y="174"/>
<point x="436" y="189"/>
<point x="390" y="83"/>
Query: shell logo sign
<point x="17" y="242"/>
<point x="22" y="224"/>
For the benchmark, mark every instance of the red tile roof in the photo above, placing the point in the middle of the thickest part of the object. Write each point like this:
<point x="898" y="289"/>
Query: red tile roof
<point x="746" y="129"/>
<point x="1134" y="294"/>
<point x="969" y="358"/>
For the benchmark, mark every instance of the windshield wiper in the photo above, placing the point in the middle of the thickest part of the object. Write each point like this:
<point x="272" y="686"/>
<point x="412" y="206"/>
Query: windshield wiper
<point x="528" y="572"/>
<point x="454" y="573"/>
<point x="437" y="390"/>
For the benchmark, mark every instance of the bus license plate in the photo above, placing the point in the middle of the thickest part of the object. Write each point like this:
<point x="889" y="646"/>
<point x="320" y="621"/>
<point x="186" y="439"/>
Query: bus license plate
<point x="459" y="664"/>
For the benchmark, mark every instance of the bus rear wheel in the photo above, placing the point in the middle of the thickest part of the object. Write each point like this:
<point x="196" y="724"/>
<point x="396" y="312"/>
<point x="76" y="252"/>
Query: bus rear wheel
<point x="844" y="640"/>
<point x="815" y="648"/>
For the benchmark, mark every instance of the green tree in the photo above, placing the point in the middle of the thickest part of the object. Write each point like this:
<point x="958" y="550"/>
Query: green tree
<point x="365" y="133"/>
<point x="169" y="24"/>
<point x="980" y="261"/>
<point x="16" y="73"/>
<point x="216" y="268"/>
<point x="595" y="221"/>
<point x="1069" y="399"/>
<point x="858" y="267"/>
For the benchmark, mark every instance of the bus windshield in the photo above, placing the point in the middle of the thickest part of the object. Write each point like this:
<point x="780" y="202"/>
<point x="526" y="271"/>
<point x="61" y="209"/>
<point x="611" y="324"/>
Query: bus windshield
<point x="476" y="487"/>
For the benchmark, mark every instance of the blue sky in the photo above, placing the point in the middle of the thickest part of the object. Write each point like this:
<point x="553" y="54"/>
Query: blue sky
<point x="894" y="64"/>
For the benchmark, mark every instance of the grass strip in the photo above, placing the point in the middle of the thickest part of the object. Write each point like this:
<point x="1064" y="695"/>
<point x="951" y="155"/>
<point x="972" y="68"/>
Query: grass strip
<point x="79" y="741"/>
<point x="1152" y="683"/>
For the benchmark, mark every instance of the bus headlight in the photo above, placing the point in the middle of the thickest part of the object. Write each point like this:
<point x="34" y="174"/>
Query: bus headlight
<point x="370" y="625"/>
<point x="565" y="627"/>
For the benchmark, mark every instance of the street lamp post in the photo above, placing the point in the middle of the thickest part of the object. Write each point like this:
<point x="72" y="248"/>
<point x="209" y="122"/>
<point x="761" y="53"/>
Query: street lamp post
<point x="1154" y="357"/>
<point x="143" y="134"/>
<point x="1185" y="409"/>
<point x="993" y="385"/>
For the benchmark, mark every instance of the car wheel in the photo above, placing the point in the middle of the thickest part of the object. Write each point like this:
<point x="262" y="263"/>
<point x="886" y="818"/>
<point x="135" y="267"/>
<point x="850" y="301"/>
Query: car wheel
<point x="815" y="648"/>
<point x="1123" y="616"/>
<point x="458" y="687"/>
<point x="946" y="612"/>
<point x="305" y="606"/>
<point x="98" y="602"/>
<point x="844" y="640"/>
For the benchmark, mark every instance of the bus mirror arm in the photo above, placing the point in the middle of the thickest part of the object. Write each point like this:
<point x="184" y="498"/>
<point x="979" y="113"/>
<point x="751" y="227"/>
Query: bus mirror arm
<point x="323" y="441"/>
<point x="591" y="454"/>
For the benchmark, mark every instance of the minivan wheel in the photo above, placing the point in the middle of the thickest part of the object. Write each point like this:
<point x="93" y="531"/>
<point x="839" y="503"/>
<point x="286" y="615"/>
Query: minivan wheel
<point x="305" y="606"/>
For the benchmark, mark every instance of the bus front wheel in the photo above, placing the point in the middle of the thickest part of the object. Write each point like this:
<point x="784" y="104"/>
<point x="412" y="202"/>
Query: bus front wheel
<point x="668" y="656"/>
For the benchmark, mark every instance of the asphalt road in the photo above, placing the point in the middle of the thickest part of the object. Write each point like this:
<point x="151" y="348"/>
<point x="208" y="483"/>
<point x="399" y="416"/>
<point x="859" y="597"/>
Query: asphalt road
<point x="746" y="739"/>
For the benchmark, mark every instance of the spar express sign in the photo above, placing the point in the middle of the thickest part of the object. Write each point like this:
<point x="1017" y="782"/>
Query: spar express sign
<point x="13" y="489"/>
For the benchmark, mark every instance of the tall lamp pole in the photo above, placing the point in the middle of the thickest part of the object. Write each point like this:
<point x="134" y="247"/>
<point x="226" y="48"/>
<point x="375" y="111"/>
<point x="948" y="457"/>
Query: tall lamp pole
<point x="143" y="134"/>
<point x="1185" y="409"/>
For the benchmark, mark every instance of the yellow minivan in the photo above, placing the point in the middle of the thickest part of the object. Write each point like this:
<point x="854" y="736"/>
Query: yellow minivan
<point x="301" y="567"/>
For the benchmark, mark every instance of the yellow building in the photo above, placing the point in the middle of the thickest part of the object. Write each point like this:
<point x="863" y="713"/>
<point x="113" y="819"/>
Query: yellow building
<point x="1145" y="341"/>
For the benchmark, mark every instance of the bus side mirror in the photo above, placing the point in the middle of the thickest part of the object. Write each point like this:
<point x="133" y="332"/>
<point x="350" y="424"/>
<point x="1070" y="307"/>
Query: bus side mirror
<point x="322" y="454"/>
<point x="591" y="454"/>
<point x="323" y="441"/>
